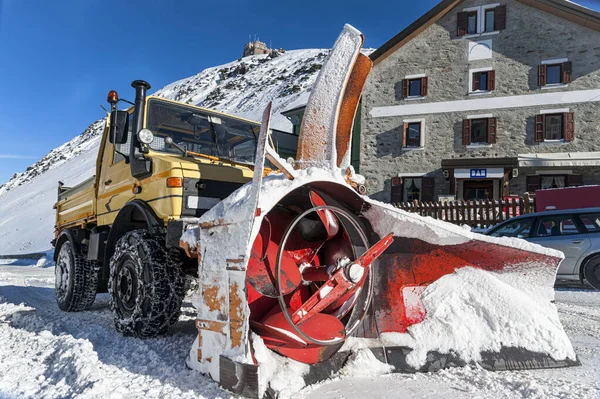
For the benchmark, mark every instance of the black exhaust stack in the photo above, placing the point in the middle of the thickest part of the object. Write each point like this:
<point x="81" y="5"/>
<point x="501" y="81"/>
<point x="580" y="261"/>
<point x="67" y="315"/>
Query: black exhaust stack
<point x="140" y="166"/>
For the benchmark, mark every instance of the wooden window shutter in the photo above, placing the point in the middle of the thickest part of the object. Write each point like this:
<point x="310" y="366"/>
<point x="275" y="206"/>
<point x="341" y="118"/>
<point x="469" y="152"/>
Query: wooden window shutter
<point x="476" y="81"/>
<point x="539" y="128"/>
<point x="404" y="134"/>
<point x="461" y="24"/>
<point x="542" y="75"/>
<point x="491" y="131"/>
<point x="397" y="190"/>
<point x="424" y="86"/>
<point x="500" y="18"/>
<point x="405" y="88"/>
<point x="534" y="182"/>
<point x="569" y="119"/>
<point x="567" y="74"/>
<point x="491" y="80"/>
<point x="574" y="180"/>
<point x="466" y="134"/>
<point x="427" y="188"/>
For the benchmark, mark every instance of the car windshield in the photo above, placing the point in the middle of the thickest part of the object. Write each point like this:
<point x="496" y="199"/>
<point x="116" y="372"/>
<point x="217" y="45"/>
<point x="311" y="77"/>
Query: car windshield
<point x="519" y="228"/>
<point x="201" y="131"/>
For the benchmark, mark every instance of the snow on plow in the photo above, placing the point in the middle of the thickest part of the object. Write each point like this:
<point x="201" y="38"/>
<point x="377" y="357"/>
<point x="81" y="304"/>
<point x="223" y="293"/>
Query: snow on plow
<point x="300" y="275"/>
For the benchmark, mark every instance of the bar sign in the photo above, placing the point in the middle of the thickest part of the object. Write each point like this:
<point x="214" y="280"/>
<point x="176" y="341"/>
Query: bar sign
<point x="478" y="173"/>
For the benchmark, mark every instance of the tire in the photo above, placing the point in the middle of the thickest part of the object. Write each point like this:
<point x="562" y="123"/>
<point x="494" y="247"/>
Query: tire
<point x="146" y="285"/>
<point x="591" y="272"/>
<point x="76" y="279"/>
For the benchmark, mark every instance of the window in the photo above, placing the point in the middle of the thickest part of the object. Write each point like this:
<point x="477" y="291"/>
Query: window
<point x="483" y="81"/>
<point x="557" y="225"/>
<point x="479" y="128"/>
<point x="519" y="228"/>
<point x="555" y="73"/>
<point x="489" y="20"/>
<point x="537" y="182"/>
<point x="591" y="222"/>
<point x="412" y="134"/>
<point x="479" y="131"/>
<point x="124" y="148"/>
<point x="481" y="20"/>
<point x="550" y="181"/>
<point x="412" y="189"/>
<point x="414" y="87"/>
<point x="555" y="127"/>
<point x="471" y="23"/>
<point x="408" y="189"/>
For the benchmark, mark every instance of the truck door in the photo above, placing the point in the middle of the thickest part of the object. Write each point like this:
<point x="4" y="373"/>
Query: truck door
<point x="561" y="232"/>
<point x="115" y="183"/>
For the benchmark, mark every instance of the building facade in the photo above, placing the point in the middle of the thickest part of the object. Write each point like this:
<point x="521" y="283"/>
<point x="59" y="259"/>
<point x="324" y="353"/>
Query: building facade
<point x="483" y="99"/>
<point x="256" y="47"/>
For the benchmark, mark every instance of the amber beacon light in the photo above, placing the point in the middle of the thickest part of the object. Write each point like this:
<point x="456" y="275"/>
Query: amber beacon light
<point x="112" y="97"/>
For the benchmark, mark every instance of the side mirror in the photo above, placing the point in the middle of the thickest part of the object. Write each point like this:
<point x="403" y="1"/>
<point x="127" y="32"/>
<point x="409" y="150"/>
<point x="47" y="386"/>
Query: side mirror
<point x="119" y="121"/>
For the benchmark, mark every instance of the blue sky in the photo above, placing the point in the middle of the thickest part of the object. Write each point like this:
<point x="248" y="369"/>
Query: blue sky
<point x="58" y="59"/>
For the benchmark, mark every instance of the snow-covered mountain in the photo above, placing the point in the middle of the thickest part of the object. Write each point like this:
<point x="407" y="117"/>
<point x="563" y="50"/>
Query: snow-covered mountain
<point x="242" y="88"/>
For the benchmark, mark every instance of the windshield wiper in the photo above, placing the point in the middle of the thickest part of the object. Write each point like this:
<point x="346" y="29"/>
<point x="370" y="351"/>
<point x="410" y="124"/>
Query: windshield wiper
<point x="170" y="143"/>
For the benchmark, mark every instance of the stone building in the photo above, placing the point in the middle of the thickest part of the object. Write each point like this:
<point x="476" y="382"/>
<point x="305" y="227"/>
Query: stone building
<point x="483" y="99"/>
<point x="256" y="47"/>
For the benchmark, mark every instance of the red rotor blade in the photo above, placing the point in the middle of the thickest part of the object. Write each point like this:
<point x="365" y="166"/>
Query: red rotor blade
<point x="261" y="272"/>
<point x="323" y="327"/>
<point x="373" y="253"/>
<point x="338" y="286"/>
<point x="331" y="222"/>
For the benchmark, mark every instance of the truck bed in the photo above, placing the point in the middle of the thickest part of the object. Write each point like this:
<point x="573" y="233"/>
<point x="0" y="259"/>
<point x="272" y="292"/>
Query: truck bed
<point x="76" y="204"/>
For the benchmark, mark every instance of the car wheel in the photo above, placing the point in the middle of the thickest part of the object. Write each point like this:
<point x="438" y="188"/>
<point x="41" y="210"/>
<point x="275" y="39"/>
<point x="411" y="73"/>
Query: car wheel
<point x="591" y="272"/>
<point x="146" y="285"/>
<point x="75" y="279"/>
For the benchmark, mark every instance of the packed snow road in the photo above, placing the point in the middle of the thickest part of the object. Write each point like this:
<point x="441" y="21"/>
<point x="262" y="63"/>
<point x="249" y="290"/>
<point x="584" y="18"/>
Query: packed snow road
<point x="47" y="353"/>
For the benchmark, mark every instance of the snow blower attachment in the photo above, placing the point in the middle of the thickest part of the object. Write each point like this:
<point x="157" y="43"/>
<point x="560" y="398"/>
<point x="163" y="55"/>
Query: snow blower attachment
<point x="298" y="271"/>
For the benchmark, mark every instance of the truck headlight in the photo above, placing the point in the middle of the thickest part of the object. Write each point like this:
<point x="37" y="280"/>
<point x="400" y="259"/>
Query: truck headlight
<point x="145" y="136"/>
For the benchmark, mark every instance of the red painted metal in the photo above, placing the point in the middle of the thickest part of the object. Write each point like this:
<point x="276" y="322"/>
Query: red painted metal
<point x="322" y="326"/>
<point x="262" y="262"/>
<point x="339" y="285"/>
<point x="330" y="221"/>
<point x="412" y="262"/>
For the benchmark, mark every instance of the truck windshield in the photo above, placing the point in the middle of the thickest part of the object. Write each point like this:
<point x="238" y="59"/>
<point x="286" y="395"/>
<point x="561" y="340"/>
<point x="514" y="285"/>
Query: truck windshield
<point x="202" y="132"/>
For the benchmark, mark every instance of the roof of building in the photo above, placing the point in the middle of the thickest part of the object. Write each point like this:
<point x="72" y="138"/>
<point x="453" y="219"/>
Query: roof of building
<point x="562" y="8"/>
<point x="293" y="110"/>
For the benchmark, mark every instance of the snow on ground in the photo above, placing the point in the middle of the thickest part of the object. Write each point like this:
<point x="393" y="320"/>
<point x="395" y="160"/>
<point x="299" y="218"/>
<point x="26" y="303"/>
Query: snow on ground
<point x="47" y="353"/>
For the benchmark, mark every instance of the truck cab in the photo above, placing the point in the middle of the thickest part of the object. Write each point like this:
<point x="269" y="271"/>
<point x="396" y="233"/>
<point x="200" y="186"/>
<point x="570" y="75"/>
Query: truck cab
<point x="161" y="164"/>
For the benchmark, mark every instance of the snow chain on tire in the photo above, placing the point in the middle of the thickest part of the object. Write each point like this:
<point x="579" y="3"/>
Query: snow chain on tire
<point x="76" y="280"/>
<point x="146" y="285"/>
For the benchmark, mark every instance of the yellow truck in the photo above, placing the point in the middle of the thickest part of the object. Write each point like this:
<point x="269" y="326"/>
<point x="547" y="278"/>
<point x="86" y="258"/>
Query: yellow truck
<point x="161" y="164"/>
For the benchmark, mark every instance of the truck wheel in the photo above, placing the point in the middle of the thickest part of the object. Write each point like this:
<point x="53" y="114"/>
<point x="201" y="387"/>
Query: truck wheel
<point x="591" y="272"/>
<point x="75" y="280"/>
<point x="146" y="285"/>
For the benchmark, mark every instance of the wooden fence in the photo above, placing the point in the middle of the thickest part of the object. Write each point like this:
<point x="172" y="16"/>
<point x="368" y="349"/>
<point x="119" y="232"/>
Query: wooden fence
<point x="477" y="213"/>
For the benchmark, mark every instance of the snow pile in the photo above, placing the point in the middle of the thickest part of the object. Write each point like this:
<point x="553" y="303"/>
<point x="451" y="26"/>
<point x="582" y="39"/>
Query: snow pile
<point x="280" y="373"/>
<point x="364" y="364"/>
<point x="386" y="218"/>
<point x="472" y="311"/>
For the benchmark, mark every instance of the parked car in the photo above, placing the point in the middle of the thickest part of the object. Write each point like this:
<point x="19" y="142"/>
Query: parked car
<point x="575" y="232"/>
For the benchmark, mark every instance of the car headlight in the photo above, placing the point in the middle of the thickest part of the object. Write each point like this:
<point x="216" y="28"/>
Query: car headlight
<point x="145" y="136"/>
